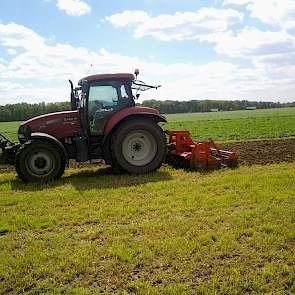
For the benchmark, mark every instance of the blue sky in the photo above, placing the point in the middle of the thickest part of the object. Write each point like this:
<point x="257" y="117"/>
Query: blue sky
<point x="222" y="49"/>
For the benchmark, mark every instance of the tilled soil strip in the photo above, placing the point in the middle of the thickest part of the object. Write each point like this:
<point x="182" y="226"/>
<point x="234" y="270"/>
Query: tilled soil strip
<point x="261" y="152"/>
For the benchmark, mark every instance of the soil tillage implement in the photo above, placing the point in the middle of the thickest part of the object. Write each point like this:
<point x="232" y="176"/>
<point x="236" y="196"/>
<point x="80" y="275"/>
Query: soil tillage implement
<point x="183" y="152"/>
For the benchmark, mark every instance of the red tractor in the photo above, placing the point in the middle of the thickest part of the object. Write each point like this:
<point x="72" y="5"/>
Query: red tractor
<point x="104" y="123"/>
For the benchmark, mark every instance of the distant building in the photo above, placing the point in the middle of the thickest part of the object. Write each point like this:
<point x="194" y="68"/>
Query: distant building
<point x="214" y="110"/>
<point x="250" y="108"/>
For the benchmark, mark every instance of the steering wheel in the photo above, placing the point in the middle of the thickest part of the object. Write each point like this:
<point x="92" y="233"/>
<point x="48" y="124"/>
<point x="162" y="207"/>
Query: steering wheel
<point x="97" y="106"/>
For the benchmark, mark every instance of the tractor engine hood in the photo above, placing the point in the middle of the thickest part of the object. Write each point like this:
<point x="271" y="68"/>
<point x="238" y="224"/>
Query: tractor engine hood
<point x="59" y="125"/>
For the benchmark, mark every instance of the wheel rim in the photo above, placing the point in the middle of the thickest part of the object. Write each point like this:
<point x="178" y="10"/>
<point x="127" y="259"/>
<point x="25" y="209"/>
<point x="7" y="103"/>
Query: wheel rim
<point x="139" y="148"/>
<point x="40" y="163"/>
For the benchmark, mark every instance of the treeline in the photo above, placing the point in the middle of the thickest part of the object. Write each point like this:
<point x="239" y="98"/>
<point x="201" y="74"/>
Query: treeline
<point x="24" y="111"/>
<point x="195" y="106"/>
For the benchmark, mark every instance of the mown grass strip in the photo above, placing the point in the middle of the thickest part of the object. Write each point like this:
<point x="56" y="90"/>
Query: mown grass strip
<point x="170" y="232"/>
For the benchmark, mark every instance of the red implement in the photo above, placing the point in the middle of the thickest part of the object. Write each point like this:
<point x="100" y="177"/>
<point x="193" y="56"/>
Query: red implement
<point x="185" y="153"/>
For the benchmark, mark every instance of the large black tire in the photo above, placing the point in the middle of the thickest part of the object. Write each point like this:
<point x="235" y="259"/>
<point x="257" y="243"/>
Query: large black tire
<point x="108" y="157"/>
<point x="139" y="146"/>
<point x="39" y="161"/>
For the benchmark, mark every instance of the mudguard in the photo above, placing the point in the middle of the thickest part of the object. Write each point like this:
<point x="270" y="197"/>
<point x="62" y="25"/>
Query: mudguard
<point x="130" y="113"/>
<point x="51" y="139"/>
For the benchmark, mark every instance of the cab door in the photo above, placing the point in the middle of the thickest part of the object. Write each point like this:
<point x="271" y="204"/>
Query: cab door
<point x="104" y="99"/>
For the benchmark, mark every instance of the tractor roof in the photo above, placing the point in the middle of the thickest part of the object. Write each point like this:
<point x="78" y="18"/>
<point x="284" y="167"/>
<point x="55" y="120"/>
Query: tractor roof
<point x="123" y="76"/>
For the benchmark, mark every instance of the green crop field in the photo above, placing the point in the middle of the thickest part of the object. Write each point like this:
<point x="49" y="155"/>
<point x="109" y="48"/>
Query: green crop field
<point x="221" y="126"/>
<point x="170" y="232"/>
<point x="9" y="129"/>
<point x="237" y="125"/>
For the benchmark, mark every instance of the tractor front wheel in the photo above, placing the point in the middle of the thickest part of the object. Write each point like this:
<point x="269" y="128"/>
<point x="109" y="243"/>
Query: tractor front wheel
<point x="139" y="146"/>
<point x="37" y="161"/>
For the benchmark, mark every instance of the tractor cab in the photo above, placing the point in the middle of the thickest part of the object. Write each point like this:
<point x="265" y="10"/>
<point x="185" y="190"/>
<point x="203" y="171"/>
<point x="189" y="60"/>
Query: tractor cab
<point x="99" y="97"/>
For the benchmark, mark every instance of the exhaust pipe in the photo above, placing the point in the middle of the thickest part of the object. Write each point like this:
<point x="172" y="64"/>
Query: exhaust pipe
<point x="73" y="98"/>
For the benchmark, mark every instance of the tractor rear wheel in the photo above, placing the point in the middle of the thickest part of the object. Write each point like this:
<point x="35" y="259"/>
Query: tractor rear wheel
<point x="139" y="146"/>
<point x="38" y="161"/>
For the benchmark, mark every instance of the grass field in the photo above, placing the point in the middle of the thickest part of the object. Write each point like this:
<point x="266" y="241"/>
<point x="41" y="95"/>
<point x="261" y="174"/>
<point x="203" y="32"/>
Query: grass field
<point x="238" y="125"/>
<point x="222" y="126"/>
<point x="170" y="232"/>
<point x="9" y="129"/>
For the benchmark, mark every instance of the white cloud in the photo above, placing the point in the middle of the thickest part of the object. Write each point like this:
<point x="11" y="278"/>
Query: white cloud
<point x="11" y="51"/>
<point x="18" y="36"/>
<point x="74" y="7"/>
<point x="39" y="71"/>
<point x="278" y="12"/>
<point x="179" y="26"/>
<point x="128" y="17"/>
<point x="272" y="55"/>
<point x="272" y="12"/>
<point x="251" y="42"/>
<point x="236" y="2"/>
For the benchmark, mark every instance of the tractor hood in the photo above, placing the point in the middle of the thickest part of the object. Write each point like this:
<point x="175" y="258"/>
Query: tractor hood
<point x="59" y="125"/>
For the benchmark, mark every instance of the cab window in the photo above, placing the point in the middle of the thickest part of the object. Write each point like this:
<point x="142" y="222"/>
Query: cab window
<point x="102" y="97"/>
<point x="124" y="92"/>
<point x="103" y="100"/>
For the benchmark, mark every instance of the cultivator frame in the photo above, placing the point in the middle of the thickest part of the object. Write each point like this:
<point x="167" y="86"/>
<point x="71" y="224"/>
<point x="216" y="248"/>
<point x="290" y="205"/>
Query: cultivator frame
<point x="7" y="150"/>
<point x="183" y="152"/>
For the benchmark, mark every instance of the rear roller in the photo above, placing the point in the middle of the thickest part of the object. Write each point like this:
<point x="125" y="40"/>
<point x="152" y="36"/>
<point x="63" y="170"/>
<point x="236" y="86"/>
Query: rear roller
<point x="177" y="162"/>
